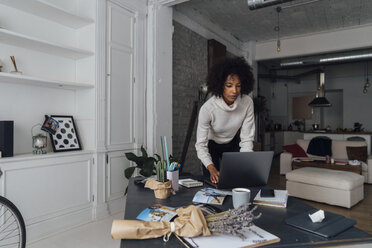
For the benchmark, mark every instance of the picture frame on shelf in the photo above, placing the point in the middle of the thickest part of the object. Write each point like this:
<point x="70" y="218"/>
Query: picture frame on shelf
<point x="66" y="137"/>
<point x="50" y="125"/>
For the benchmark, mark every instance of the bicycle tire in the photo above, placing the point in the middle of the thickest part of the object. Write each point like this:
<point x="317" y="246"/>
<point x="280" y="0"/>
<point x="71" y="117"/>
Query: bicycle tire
<point x="6" y="205"/>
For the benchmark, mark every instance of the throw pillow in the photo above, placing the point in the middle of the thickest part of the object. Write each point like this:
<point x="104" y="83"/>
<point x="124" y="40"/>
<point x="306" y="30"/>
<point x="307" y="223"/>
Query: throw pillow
<point x="357" y="153"/>
<point x="320" y="146"/>
<point x="296" y="150"/>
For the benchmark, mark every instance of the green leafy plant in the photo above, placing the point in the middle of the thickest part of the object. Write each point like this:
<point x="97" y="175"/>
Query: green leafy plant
<point x="144" y="163"/>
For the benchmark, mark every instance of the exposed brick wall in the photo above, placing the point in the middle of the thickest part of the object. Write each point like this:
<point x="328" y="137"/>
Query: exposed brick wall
<point x="190" y="56"/>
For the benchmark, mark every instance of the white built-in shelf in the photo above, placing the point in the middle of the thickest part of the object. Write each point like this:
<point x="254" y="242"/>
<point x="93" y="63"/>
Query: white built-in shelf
<point x="30" y="80"/>
<point x="31" y="156"/>
<point x="48" y="11"/>
<point x="21" y="40"/>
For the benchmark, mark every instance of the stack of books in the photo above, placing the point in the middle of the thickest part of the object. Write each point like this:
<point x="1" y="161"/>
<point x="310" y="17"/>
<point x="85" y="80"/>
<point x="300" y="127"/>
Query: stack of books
<point x="279" y="200"/>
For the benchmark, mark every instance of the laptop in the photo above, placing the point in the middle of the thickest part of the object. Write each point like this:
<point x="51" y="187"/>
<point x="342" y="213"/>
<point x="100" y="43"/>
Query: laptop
<point x="243" y="169"/>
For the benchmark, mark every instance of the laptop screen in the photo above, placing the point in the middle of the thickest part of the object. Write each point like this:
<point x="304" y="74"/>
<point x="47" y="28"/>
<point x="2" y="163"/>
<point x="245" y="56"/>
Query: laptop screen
<point x="245" y="169"/>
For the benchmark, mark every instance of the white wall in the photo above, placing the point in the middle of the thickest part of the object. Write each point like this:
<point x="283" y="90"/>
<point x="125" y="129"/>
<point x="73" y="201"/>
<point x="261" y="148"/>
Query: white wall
<point x="356" y="105"/>
<point x="159" y="86"/>
<point x="338" y="40"/>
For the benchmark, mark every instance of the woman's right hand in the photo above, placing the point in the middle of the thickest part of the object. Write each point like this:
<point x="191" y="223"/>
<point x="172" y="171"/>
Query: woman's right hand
<point x="215" y="174"/>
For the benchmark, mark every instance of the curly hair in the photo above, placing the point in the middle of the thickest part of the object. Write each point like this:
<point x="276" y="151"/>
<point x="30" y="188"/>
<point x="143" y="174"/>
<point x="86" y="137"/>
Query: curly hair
<point x="230" y="66"/>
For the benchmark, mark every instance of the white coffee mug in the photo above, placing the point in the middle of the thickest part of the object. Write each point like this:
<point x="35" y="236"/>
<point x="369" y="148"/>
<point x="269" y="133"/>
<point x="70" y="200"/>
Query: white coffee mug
<point x="240" y="196"/>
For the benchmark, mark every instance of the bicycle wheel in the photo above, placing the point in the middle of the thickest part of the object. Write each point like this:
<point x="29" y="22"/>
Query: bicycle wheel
<point x="12" y="226"/>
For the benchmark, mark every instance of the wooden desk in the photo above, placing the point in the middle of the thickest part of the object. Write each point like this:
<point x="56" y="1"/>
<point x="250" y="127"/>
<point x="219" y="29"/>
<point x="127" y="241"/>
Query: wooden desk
<point x="272" y="220"/>
<point x="324" y="165"/>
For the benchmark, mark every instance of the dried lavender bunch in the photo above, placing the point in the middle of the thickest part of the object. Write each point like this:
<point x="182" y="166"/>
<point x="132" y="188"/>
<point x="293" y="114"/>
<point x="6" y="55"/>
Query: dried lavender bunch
<point x="232" y="221"/>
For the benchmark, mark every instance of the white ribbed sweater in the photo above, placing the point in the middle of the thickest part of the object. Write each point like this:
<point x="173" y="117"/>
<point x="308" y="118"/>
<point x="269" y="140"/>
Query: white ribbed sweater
<point x="220" y="122"/>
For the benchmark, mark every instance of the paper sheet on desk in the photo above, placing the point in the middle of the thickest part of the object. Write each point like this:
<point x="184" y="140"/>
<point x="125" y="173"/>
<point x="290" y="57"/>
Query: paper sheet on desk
<point x="255" y="237"/>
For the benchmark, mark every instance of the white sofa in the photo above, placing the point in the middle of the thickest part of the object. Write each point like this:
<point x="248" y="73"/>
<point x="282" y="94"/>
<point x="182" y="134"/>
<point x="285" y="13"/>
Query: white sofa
<point x="338" y="153"/>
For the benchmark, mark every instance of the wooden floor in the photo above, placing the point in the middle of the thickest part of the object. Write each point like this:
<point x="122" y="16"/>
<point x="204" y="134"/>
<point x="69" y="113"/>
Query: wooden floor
<point x="362" y="212"/>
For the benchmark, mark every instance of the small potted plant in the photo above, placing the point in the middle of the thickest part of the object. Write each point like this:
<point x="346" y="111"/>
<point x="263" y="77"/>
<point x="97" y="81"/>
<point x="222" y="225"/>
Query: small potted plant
<point x="162" y="187"/>
<point x="161" y="171"/>
<point x="144" y="164"/>
<point x="148" y="166"/>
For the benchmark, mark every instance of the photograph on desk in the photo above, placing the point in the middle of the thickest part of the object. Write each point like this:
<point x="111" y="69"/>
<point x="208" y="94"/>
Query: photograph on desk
<point x="210" y="196"/>
<point x="157" y="213"/>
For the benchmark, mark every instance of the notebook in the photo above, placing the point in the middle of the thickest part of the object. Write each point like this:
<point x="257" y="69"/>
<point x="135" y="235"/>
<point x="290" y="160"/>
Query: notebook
<point x="332" y="224"/>
<point x="279" y="200"/>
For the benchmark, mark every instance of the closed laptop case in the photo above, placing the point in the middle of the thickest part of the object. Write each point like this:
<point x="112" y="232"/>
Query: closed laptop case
<point x="332" y="224"/>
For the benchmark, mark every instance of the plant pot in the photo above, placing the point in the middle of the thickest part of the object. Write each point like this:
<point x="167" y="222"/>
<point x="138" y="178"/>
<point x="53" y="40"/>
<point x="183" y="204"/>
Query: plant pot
<point x="161" y="190"/>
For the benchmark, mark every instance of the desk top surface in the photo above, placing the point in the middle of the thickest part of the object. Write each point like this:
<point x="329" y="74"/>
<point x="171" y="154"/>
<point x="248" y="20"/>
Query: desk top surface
<point x="272" y="219"/>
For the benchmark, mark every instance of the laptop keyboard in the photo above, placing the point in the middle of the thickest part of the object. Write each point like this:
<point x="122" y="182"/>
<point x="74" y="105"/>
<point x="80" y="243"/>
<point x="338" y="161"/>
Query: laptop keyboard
<point x="207" y="181"/>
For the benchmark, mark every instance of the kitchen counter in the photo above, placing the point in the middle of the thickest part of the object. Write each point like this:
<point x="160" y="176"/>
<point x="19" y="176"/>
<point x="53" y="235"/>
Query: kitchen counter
<point x="335" y="132"/>
<point x="320" y="132"/>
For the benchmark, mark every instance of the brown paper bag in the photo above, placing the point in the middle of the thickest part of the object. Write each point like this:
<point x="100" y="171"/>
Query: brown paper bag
<point x="189" y="223"/>
<point x="161" y="190"/>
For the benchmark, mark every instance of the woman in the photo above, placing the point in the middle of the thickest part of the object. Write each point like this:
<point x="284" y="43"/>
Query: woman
<point x="226" y="120"/>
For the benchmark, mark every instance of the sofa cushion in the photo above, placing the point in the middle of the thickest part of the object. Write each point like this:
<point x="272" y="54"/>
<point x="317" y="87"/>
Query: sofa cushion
<point x="357" y="153"/>
<point x="295" y="150"/>
<point x="303" y="143"/>
<point x="339" y="147"/>
<point x="320" y="146"/>
<point x="335" y="179"/>
<point x="364" y="166"/>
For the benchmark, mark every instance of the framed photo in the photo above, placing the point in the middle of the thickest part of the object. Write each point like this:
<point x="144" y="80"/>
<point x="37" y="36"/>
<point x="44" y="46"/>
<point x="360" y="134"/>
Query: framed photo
<point x="50" y="125"/>
<point x="66" y="137"/>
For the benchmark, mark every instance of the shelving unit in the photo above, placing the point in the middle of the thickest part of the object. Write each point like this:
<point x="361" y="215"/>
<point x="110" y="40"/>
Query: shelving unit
<point x="61" y="48"/>
<point x="48" y="11"/>
<point x="30" y="156"/>
<point x="65" y="61"/>
<point x="29" y="80"/>
<point x="20" y="40"/>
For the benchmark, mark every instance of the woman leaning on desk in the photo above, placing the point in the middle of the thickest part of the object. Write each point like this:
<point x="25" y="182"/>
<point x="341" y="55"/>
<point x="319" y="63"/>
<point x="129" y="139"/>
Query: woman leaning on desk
<point x="226" y="120"/>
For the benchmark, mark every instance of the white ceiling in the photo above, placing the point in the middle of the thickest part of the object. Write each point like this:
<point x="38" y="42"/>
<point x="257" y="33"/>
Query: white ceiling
<point x="296" y="18"/>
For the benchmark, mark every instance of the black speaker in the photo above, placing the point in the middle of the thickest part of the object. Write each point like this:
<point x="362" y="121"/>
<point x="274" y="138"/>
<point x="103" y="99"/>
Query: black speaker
<point x="6" y="138"/>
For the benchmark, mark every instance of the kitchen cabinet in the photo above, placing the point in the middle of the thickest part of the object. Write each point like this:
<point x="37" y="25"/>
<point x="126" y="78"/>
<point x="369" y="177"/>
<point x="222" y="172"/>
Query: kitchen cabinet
<point x="53" y="191"/>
